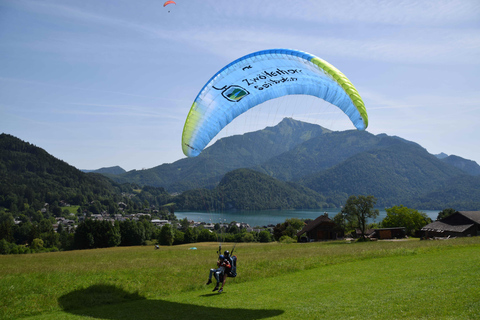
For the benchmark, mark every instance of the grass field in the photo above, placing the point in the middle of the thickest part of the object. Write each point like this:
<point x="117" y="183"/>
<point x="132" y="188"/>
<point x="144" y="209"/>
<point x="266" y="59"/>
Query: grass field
<point x="331" y="280"/>
<point x="71" y="209"/>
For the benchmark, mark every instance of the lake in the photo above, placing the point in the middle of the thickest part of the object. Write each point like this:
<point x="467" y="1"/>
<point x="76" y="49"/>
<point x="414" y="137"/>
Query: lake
<point x="266" y="217"/>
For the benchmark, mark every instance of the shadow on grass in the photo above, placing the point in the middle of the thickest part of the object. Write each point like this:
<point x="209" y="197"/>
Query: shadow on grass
<point x="111" y="302"/>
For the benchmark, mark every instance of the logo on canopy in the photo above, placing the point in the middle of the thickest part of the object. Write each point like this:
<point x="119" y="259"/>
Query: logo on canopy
<point x="233" y="93"/>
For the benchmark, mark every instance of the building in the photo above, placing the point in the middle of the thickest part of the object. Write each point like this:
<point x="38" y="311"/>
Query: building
<point x="322" y="228"/>
<point x="388" y="233"/>
<point x="160" y="223"/>
<point x="458" y="224"/>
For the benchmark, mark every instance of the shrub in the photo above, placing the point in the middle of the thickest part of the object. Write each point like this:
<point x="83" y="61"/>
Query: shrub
<point x="265" y="236"/>
<point x="6" y="247"/>
<point x="248" y="237"/>
<point x="286" y="239"/>
<point x="37" y="244"/>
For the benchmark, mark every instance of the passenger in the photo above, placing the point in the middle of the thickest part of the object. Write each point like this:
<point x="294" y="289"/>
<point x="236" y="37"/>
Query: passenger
<point x="219" y="273"/>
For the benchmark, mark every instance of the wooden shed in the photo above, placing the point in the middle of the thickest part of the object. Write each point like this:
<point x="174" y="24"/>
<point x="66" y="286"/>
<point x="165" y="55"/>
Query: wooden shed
<point x="322" y="228"/>
<point x="389" y="233"/>
<point x="458" y="224"/>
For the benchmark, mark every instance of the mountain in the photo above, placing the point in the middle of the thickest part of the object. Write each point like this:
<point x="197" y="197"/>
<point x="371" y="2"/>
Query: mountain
<point x="227" y="154"/>
<point x="441" y="155"/>
<point x="468" y="166"/>
<point x="291" y="165"/>
<point x="333" y="164"/>
<point x="33" y="181"/>
<point x="106" y="171"/>
<point x="395" y="174"/>
<point x="246" y="189"/>
<point x="323" y="152"/>
<point x="461" y="193"/>
<point x="30" y="171"/>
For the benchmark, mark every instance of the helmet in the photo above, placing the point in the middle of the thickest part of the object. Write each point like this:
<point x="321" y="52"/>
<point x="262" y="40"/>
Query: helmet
<point x="221" y="257"/>
<point x="226" y="253"/>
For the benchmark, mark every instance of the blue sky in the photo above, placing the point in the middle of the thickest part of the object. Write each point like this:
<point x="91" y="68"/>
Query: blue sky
<point x="104" y="83"/>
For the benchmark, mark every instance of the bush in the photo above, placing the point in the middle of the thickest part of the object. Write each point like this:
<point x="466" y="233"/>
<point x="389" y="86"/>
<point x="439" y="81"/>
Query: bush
<point x="6" y="247"/>
<point x="179" y="237"/>
<point x="265" y="236"/>
<point x="37" y="244"/>
<point x="286" y="239"/>
<point x="248" y="237"/>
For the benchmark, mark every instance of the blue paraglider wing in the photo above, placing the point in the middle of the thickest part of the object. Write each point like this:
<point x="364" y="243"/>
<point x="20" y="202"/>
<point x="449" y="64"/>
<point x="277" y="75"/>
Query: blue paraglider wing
<point x="261" y="76"/>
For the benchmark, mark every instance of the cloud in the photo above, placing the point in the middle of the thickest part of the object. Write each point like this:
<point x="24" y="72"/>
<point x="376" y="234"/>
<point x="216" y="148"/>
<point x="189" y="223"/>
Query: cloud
<point x="420" y="31"/>
<point x="426" y="46"/>
<point x="390" y="12"/>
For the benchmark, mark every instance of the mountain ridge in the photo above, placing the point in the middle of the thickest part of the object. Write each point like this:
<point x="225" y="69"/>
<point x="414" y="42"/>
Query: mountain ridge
<point x="319" y="163"/>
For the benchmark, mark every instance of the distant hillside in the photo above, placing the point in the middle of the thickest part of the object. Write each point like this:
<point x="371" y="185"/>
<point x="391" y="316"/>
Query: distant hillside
<point x="461" y="192"/>
<point x="241" y="151"/>
<point x="323" y="152"/>
<point x="468" y="166"/>
<point x="30" y="170"/>
<point x="441" y="155"/>
<point x="396" y="174"/>
<point x="245" y="189"/>
<point x="30" y="178"/>
<point x="334" y="164"/>
<point x="106" y="171"/>
<point x="297" y="165"/>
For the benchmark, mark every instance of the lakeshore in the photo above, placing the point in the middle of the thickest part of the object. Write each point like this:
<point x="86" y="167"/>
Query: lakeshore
<point x="269" y="217"/>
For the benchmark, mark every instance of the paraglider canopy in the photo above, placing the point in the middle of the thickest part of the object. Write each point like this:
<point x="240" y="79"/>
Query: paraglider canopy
<point x="168" y="2"/>
<point x="261" y="76"/>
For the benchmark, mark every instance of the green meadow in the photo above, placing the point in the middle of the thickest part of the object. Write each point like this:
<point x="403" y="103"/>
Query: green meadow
<point x="331" y="280"/>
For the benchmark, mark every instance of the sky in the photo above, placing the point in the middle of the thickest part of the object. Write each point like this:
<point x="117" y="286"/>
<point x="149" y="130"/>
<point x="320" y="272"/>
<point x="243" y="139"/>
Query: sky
<point x="106" y="83"/>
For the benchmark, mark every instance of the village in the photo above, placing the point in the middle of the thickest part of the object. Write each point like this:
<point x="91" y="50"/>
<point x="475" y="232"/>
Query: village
<point x="459" y="224"/>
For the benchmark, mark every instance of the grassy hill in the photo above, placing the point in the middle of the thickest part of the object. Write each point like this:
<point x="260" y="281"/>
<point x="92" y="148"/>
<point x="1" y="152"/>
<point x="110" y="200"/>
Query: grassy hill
<point x="333" y="280"/>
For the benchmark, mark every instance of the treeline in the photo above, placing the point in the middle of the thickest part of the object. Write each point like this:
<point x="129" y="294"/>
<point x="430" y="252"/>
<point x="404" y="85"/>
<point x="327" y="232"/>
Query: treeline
<point x="90" y="234"/>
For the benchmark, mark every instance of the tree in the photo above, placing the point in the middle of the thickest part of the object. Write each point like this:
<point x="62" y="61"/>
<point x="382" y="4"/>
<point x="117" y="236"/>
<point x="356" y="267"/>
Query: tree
<point x="5" y="246"/>
<point x="113" y="234"/>
<point x="179" y="237"/>
<point x="358" y="209"/>
<point x="83" y="238"/>
<point x="289" y="228"/>
<point x="265" y="236"/>
<point x="6" y="231"/>
<point x="206" y="235"/>
<point x="232" y="228"/>
<point x="190" y="236"/>
<point x="445" y="213"/>
<point x="37" y="244"/>
<point x="248" y="237"/>
<point x="167" y="235"/>
<point x="340" y="223"/>
<point x="132" y="233"/>
<point x="400" y="216"/>
<point x="184" y="223"/>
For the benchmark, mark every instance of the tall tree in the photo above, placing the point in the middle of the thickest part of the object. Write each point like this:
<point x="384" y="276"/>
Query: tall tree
<point x="445" y="213"/>
<point x="410" y="219"/>
<point x="358" y="209"/>
<point x="167" y="235"/>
